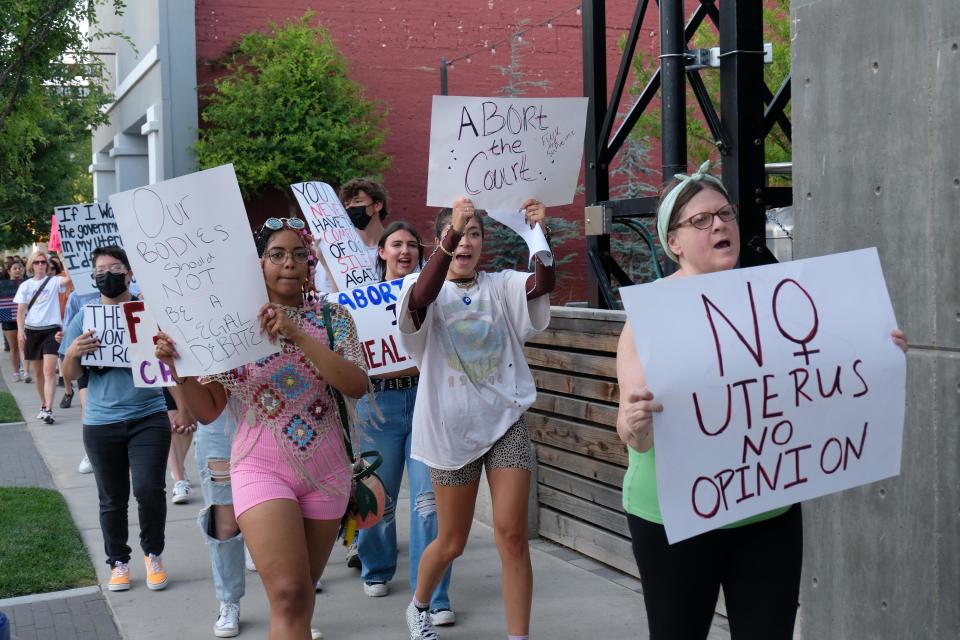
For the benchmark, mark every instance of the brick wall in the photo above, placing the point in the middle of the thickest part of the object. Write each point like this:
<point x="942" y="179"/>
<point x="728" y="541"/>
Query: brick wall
<point x="394" y="49"/>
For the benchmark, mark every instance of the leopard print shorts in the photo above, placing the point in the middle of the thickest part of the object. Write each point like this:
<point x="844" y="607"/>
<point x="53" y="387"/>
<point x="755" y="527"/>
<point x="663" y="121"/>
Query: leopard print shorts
<point x="511" y="451"/>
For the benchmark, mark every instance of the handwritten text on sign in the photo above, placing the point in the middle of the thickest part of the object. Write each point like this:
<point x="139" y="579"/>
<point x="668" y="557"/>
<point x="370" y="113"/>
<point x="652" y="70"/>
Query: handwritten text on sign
<point x="340" y="244"/>
<point x="198" y="268"/>
<point x="501" y="151"/>
<point x="141" y="327"/>
<point x="83" y="228"/>
<point x="106" y="320"/>
<point x="778" y="384"/>
<point x="374" y="311"/>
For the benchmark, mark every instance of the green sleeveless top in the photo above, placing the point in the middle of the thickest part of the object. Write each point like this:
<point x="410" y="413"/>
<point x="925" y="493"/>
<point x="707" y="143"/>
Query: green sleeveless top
<point x="640" y="491"/>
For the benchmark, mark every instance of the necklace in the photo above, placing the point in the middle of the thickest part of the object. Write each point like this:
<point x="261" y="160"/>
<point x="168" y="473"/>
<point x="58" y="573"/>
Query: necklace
<point x="466" y="285"/>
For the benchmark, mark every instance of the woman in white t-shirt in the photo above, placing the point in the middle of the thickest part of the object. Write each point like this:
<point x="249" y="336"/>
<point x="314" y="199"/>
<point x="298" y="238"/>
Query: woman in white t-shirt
<point x="466" y="330"/>
<point x="38" y="321"/>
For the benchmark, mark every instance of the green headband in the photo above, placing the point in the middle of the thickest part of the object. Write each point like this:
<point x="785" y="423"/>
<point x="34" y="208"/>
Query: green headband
<point x="665" y="211"/>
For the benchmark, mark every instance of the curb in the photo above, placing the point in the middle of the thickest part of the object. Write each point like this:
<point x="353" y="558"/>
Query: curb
<point x="50" y="595"/>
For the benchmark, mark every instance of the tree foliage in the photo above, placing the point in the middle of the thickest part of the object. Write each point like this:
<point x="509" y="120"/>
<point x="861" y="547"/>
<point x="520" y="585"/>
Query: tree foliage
<point x="286" y="112"/>
<point x="50" y="94"/>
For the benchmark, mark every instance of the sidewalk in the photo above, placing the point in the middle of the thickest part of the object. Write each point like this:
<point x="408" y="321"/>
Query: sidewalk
<point x="574" y="597"/>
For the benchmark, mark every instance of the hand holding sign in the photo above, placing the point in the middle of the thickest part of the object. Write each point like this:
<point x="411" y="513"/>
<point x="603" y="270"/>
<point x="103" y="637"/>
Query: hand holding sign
<point x="528" y="223"/>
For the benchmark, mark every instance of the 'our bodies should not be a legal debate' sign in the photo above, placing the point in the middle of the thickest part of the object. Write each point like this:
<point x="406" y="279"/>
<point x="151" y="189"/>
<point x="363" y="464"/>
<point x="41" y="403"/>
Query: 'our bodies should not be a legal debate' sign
<point x="197" y="266"/>
<point x="500" y="151"/>
<point x="341" y="248"/>
<point x="83" y="228"/>
<point x="778" y="384"/>
<point x="374" y="311"/>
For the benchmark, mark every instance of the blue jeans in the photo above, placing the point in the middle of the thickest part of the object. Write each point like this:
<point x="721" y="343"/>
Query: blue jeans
<point x="212" y="442"/>
<point x="378" y="545"/>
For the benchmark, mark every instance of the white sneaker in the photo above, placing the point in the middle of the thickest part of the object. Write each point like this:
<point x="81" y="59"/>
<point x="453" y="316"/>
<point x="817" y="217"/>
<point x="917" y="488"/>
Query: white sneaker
<point x="442" y="617"/>
<point x="85" y="466"/>
<point x="42" y="414"/>
<point x="375" y="589"/>
<point x="228" y="624"/>
<point x="315" y="634"/>
<point x="181" y="492"/>
<point x="419" y="624"/>
<point x="248" y="560"/>
<point x="353" y="557"/>
<point x="317" y="588"/>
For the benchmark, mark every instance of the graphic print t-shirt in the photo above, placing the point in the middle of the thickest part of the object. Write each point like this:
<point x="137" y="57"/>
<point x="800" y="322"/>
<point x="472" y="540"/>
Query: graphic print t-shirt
<point x="474" y="378"/>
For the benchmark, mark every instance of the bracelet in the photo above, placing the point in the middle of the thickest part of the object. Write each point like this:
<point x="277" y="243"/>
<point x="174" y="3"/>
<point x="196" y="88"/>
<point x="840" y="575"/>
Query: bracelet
<point x="444" y="249"/>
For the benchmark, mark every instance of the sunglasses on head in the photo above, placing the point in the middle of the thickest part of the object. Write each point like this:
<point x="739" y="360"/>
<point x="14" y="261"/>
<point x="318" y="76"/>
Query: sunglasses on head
<point x="275" y="224"/>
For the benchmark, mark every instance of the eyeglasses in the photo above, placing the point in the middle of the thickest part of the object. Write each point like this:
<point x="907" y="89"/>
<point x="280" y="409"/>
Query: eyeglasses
<point x="704" y="219"/>
<point x="279" y="256"/>
<point x="114" y="268"/>
<point x="275" y="224"/>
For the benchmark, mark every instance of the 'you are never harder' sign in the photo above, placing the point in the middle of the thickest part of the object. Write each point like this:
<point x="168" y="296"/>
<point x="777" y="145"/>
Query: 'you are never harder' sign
<point x="500" y="151"/>
<point x="778" y="383"/>
<point x="190" y="247"/>
<point x="341" y="248"/>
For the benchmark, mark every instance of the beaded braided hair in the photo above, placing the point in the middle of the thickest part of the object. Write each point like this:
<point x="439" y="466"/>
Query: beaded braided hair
<point x="262" y="238"/>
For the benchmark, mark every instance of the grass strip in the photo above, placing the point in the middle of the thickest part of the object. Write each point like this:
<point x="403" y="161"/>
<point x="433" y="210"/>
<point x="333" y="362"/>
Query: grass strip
<point x="40" y="546"/>
<point x="9" y="412"/>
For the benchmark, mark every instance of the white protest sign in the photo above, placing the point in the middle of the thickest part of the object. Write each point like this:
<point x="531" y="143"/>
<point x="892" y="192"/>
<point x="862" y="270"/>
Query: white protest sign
<point x="190" y="247"/>
<point x="374" y="311"/>
<point x="778" y="383"/>
<point x="83" y="228"/>
<point x="141" y="326"/>
<point x="500" y="151"/>
<point x="106" y="320"/>
<point x="536" y="241"/>
<point x="341" y="248"/>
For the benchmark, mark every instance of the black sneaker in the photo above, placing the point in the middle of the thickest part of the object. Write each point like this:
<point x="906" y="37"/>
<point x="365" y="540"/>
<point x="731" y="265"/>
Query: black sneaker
<point x="66" y="400"/>
<point x="48" y="417"/>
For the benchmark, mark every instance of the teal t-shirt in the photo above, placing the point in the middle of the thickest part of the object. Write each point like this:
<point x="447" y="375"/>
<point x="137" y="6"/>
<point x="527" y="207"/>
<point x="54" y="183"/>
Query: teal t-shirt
<point x="111" y="396"/>
<point x="640" y="491"/>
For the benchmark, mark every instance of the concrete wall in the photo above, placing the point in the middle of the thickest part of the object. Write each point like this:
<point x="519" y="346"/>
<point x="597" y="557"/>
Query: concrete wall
<point x="876" y="89"/>
<point x="153" y="119"/>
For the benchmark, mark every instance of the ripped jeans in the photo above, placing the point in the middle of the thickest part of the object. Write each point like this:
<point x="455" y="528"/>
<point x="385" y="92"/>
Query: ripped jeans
<point x="212" y="444"/>
<point x="378" y="545"/>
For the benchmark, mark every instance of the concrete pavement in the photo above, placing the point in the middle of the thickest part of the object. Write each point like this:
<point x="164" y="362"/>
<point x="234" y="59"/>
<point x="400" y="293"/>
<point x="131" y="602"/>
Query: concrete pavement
<point x="574" y="596"/>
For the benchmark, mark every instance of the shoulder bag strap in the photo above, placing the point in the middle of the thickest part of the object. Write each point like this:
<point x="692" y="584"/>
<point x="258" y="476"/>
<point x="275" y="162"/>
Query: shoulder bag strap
<point x="37" y="293"/>
<point x="337" y="396"/>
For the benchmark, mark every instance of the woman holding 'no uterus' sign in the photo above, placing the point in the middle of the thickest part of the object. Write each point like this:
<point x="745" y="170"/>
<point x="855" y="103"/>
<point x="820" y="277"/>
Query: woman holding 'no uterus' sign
<point x="757" y="560"/>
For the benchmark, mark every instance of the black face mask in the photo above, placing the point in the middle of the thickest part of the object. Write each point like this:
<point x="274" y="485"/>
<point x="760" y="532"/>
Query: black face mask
<point x="111" y="284"/>
<point x="359" y="217"/>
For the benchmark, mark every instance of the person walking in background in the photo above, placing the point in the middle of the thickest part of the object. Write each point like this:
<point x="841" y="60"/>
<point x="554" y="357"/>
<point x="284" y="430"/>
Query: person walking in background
<point x="14" y="273"/>
<point x="466" y="329"/>
<point x="75" y="303"/>
<point x="126" y="434"/>
<point x="38" y="321"/>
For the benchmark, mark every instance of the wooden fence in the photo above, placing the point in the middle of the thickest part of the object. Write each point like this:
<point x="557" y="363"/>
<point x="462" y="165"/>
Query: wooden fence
<point x="581" y="461"/>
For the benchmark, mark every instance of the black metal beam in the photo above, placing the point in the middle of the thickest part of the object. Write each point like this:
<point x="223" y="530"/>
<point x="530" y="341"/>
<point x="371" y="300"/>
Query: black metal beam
<point x="673" y="88"/>
<point x="775" y="112"/>
<point x="741" y="108"/>
<point x="625" y="63"/>
<point x="596" y="174"/>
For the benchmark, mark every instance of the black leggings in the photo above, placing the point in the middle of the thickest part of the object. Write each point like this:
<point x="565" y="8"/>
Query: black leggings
<point x="758" y="566"/>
